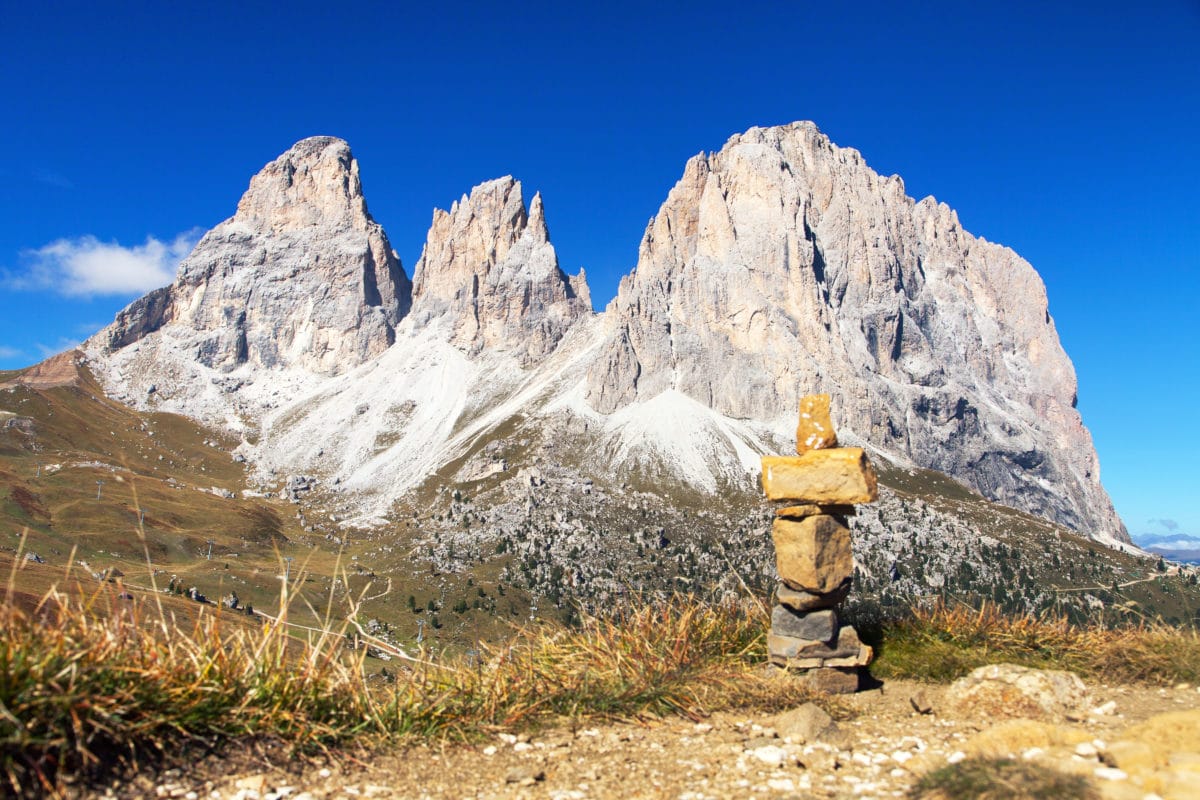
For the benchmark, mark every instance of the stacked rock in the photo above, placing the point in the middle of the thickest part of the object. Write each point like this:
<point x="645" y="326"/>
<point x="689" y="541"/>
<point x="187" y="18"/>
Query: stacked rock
<point x="813" y="550"/>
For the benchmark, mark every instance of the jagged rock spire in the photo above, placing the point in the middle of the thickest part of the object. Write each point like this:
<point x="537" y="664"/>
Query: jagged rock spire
<point x="300" y="275"/>
<point x="490" y="274"/>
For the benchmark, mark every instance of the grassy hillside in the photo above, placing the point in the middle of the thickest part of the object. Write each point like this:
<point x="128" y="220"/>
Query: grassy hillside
<point x="468" y="558"/>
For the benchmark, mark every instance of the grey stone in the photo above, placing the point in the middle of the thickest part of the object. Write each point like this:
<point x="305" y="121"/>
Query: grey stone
<point x="799" y="600"/>
<point x="833" y="680"/>
<point x="1012" y="690"/>
<point x="818" y="625"/>
<point x="805" y="653"/>
<point x="805" y="724"/>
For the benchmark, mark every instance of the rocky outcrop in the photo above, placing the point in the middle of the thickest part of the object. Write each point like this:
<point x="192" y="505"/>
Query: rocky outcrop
<point x="778" y="267"/>
<point x="783" y="265"/>
<point x="300" y="275"/>
<point x="490" y="273"/>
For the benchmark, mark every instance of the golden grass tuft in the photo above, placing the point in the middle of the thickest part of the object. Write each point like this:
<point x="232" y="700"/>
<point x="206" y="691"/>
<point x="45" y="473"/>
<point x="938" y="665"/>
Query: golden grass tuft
<point x="100" y="684"/>
<point x="941" y="642"/>
<point x="1001" y="779"/>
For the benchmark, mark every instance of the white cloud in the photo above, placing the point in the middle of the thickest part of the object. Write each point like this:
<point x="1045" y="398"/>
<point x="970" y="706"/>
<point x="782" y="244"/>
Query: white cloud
<point x="10" y="352"/>
<point x="86" y="266"/>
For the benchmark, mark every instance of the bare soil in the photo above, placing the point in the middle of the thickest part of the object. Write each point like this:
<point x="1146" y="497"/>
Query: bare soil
<point x="882" y="744"/>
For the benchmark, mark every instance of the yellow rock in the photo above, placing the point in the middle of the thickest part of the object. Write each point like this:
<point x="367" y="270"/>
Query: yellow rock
<point x="815" y="430"/>
<point x="1184" y="762"/>
<point x="1120" y="790"/>
<point x="811" y="510"/>
<point x="1179" y="785"/>
<point x="1130" y="756"/>
<point x="1165" y="734"/>
<point x="812" y="554"/>
<point x="822" y="477"/>
<point x="1014" y="737"/>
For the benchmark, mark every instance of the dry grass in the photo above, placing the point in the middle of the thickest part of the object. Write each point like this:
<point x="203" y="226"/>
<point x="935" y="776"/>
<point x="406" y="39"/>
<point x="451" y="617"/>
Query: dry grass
<point x="1001" y="779"/>
<point x="92" y="682"/>
<point x="96" y="683"/>
<point x="940" y="643"/>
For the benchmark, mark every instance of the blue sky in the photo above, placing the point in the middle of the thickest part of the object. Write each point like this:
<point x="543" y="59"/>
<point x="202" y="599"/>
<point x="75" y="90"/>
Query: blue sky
<point x="1067" y="131"/>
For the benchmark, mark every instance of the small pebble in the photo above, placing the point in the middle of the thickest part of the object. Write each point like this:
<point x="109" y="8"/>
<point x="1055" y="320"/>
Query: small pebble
<point x="769" y="754"/>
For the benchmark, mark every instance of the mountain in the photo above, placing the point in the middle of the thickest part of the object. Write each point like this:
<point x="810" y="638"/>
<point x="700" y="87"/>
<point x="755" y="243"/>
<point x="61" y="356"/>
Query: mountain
<point x="778" y="266"/>
<point x="300" y="275"/>
<point x="783" y="265"/>
<point x="1176" y="547"/>
<point x="488" y="267"/>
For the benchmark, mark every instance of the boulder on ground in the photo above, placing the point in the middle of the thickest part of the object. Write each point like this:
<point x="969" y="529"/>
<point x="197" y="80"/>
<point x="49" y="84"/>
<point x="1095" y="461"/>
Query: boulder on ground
<point x="1010" y="690"/>
<point x="806" y="724"/>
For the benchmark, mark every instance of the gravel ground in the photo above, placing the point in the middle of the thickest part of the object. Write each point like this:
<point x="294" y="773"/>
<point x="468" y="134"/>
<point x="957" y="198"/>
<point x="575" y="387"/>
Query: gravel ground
<point x="877" y="752"/>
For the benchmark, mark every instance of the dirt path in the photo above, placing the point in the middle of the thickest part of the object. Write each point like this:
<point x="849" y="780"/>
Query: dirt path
<point x="729" y="755"/>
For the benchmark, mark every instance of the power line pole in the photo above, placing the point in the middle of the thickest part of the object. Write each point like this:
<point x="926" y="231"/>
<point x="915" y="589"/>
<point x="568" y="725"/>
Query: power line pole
<point x="210" y="544"/>
<point x="99" y="486"/>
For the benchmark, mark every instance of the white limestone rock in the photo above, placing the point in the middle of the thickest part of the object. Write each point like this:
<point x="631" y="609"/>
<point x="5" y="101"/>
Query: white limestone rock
<point x="489" y="271"/>
<point x="300" y="276"/>
<point x="783" y="266"/>
<point x="780" y="266"/>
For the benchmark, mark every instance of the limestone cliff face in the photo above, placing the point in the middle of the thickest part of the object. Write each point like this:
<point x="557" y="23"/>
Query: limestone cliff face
<point x="490" y="272"/>
<point x="300" y="275"/>
<point x="780" y="266"/>
<point x="783" y="265"/>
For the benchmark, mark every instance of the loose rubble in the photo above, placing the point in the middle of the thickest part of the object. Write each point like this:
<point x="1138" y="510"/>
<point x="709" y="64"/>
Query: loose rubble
<point x="1146" y="743"/>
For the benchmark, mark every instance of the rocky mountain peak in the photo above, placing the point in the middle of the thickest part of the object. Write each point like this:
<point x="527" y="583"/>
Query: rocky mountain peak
<point x="300" y="276"/>
<point x="314" y="183"/>
<point x="778" y="266"/>
<point x="783" y="265"/>
<point x="490" y="274"/>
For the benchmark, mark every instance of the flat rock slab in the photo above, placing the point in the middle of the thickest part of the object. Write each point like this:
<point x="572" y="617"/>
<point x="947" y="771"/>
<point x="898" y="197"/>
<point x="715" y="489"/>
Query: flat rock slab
<point x="813" y="554"/>
<point x="841" y="476"/>
<point x="812" y="510"/>
<point x="799" y="600"/>
<point x="833" y="680"/>
<point x="819" y="625"/>
<point x="848" y="651"/>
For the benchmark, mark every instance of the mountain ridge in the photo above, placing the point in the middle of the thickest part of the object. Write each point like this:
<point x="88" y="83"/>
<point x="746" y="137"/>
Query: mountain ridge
<point x="779" y="265"/>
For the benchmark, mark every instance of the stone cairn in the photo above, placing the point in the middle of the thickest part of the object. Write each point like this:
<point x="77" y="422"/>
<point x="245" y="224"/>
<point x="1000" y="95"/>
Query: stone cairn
<point x="812" y="550"/>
